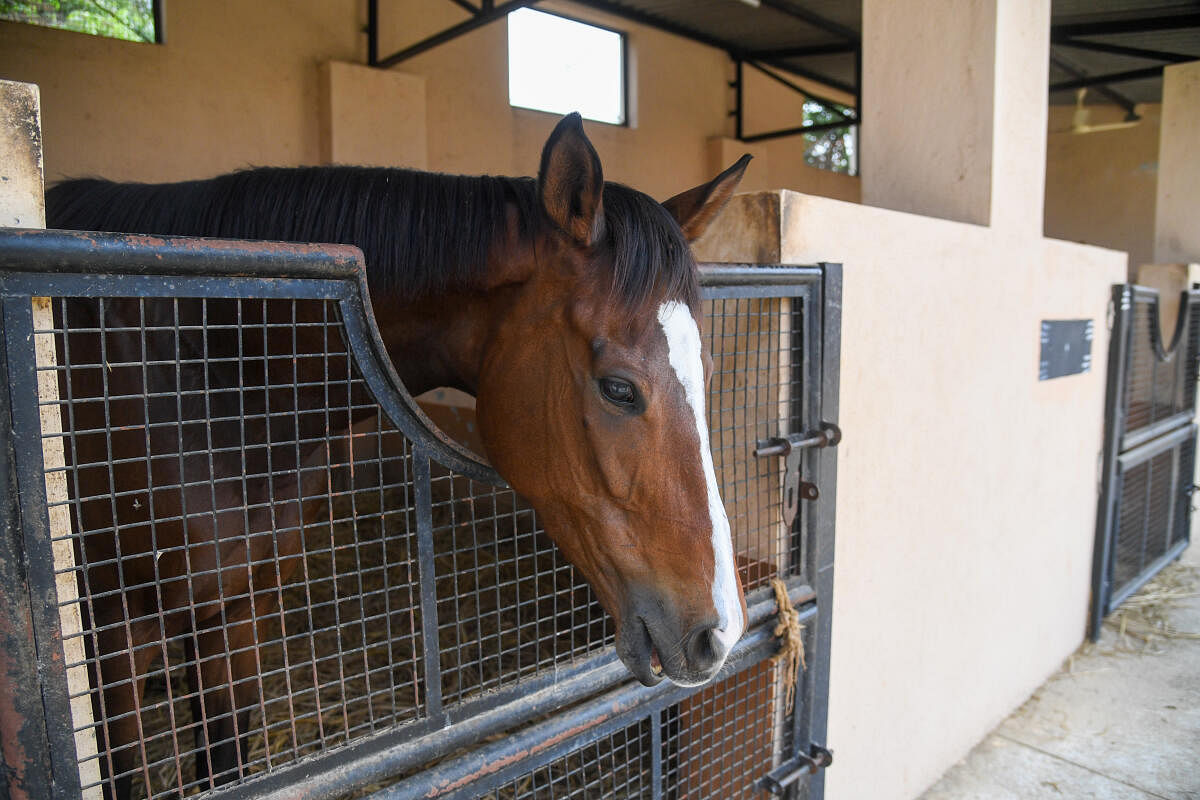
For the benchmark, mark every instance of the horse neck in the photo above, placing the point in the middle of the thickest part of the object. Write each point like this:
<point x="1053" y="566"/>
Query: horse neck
<point x="439" y="340"/>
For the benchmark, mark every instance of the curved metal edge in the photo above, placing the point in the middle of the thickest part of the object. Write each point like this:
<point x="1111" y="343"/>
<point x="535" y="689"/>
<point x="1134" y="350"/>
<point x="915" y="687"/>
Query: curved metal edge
<point x="93" y="254"/>
<point x="371" y="356"/>
<point x="89" y="253"/>
<point x="713" y="273"/>
<point x="1167" y="353"/>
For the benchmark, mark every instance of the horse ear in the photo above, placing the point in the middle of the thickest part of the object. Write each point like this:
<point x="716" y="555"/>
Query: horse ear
<point x="570" y="183"/>
<point x="696" y="208"/>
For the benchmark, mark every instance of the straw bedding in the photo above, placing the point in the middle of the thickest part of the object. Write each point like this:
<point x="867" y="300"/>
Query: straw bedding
<point x="358" y="598"/>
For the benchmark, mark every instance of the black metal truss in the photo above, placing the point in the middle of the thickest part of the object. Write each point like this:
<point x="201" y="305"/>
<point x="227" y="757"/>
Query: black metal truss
<point x="762" y="59"/>
<point x="488" y="11"/>
<point x="1068" y="35"/>
<point x="844" y="120"/>
<point x="1122" y="50"/>
<point x="845" y="40"/>
<point x="1113" y="95"/>
<point x="1125" y="24"/>
<point x="1112" y="77"/>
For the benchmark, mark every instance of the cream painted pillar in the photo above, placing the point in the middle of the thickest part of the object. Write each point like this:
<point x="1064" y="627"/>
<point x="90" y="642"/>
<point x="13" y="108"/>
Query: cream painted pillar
<point x="22" y="205"/>
<point x="954" y="109"/>
<point x="1177" y="212"/>
<point x="1019" y="117"/>
<point x="927" y="107"/>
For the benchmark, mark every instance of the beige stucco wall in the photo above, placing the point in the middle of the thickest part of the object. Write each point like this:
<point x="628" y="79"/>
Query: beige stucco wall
<point x="962" y="561"/>
<point x="1100" y="185"/>
<point x="240" y="84"/>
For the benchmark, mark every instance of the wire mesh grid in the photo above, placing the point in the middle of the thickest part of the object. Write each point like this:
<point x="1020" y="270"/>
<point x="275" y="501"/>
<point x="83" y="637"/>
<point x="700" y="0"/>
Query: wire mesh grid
<point x="1183" y="498"/>
<point x="719" y="742"/>
<point x="244" y="539"/>
<point x="757" y="350"/>
<point x="243" y="544"/>
<point x="1160" y="384"/>
<point x="509" y="604"/>
<point x="619" y="765"/>
<point x="1149" y="503"/>
<point x="716" y="743"/>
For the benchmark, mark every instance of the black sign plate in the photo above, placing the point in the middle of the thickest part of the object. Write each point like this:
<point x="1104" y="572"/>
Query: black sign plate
<point x="1066" y="347"/>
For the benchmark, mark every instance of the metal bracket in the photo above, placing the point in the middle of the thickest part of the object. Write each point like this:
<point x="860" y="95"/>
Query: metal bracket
<point x="779" y="779"/>
<point x="791" y="447"/>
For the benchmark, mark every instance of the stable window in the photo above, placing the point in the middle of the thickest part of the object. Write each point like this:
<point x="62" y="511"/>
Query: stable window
<point x="834" y="149"/>
<point x="560" y="65"/>
<point x="132" y="20"/>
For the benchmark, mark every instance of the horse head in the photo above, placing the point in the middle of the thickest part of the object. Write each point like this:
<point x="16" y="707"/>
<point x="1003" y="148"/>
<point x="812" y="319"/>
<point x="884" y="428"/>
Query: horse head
<point x="591" y="403"/>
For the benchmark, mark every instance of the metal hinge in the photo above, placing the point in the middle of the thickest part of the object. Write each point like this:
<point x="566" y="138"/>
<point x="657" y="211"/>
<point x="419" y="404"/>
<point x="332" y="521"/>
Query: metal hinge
<point x="791" y="447"/>
<point x="779" y="779"/>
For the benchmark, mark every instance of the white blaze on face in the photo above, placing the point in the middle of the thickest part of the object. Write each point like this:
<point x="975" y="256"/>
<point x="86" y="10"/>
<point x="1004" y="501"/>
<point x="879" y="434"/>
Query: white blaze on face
<point x="683" y="351"/>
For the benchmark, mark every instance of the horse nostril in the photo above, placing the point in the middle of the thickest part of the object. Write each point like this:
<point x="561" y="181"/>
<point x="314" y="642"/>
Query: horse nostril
<point x="704" y="649"/>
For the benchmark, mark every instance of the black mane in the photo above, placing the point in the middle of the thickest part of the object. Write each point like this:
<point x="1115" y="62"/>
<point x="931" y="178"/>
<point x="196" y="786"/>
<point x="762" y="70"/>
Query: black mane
<point x="421" y="232"/>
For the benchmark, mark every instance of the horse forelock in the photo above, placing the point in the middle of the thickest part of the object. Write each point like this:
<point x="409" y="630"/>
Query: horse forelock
<point x="644" y="252"/>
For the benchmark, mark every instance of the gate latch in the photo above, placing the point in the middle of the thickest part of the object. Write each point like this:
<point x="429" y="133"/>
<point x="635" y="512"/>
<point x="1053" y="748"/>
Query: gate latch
<point x="791" y="447"/>
<point x="779" y="779"/>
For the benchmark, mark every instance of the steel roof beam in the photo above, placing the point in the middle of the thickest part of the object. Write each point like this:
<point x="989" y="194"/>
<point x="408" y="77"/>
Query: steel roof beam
<point x="824" y="126"/>
<point x="810" y="50"/>
<point x="662" y="24"/>
<point x="735" y="52"/>
<point x="801" y="13"/>
<point x="1112" y="77"/>
<point x="1112" y="94"/>
<point x="1110" y="26"/>
<point x="812" y="75"/>
<point x="487" y="14"/>
<point x="825" y="101"/>
<point x="1122" y="50"/>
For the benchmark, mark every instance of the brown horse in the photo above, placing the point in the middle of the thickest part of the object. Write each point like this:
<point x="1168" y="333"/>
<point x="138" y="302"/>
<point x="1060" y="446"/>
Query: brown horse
<point x="567" y="305"/>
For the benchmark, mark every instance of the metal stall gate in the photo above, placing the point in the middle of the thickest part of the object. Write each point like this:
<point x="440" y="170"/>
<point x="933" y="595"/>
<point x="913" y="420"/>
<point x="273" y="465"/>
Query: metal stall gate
<point x="1144" y="517"/>
<point x="381" y="617"/>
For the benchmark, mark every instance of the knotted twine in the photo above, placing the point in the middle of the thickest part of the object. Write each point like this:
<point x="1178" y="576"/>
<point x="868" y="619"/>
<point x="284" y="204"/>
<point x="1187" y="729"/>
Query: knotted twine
<point x="788" y="631"/>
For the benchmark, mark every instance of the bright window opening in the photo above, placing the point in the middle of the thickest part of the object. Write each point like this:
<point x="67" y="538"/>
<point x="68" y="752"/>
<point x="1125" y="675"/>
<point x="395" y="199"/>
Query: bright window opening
<point x="559" y="65"/>
<point x="132" y="20"/>
<point x="834" y="149"/>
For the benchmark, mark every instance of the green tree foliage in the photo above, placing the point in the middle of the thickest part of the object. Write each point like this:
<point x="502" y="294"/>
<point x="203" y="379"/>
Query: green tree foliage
<point x="120" y="19"/>
<point x="831" y="149"/>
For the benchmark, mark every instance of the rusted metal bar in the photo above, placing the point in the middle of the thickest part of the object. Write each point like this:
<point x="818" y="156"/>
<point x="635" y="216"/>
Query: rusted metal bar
<point x="376" y="758"/>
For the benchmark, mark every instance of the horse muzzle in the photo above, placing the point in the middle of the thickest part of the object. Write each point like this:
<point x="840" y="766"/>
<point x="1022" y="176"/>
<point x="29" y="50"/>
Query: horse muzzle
<point x="652" y="648"/>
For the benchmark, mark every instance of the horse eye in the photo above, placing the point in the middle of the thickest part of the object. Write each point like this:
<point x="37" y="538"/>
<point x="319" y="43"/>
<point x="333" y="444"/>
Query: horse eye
<point x="619" y="392"/>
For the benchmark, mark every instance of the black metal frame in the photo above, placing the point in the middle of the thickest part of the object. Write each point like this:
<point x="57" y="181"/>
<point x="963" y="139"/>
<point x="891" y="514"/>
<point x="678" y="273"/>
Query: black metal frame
<point x="1131" y="442"/>
<point x="1068" y="35"/>
<point x="592" y="698"/>
<point x="624" y="123"/>
<point x="489" y="12"/>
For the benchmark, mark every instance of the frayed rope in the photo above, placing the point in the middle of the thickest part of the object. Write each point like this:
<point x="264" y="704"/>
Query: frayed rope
<point x="788" y="631"/>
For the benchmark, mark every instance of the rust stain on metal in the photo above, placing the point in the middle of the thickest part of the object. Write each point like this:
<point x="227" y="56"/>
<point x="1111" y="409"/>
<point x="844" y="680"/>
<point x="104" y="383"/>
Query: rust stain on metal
<point x="15" y="759"/>
<point x="521" y="755"/>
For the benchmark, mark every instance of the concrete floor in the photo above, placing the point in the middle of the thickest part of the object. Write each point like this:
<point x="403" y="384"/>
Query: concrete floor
<point x="1120" y="720"/>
